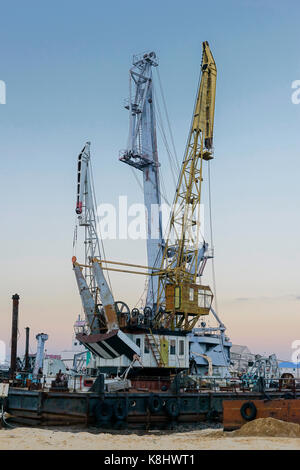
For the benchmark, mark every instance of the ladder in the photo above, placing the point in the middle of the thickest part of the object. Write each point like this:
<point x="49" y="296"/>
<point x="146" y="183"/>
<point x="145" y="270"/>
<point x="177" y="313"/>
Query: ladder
<point x="155" y="349"/>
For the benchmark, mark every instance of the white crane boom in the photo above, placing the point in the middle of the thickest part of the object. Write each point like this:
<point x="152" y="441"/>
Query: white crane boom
<point x="141" y="153"/>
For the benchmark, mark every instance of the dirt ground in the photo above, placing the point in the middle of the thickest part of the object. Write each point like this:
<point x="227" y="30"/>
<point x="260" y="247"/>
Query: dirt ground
<point x="262" y="434"/>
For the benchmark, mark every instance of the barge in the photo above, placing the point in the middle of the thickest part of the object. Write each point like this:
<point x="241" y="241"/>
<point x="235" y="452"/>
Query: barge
<point x="181" y="403"/>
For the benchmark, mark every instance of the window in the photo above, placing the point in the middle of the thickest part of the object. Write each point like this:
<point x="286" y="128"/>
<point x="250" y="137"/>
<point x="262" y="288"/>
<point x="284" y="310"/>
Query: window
<point x="173" y="347"/>
<point x="204" y="298"/>
<point x="201" y="296"/>
<point x="177" y="297"/>
<point x="146" y="346"/>
<point x="191" y="294"/>
<point x="181" y="347"/>
<point x="138" y="342"/>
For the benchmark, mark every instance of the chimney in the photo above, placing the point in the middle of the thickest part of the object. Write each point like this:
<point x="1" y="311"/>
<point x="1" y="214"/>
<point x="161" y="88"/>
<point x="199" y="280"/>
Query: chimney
<point x="27" y="349"/>
<point x="14" y="335"/>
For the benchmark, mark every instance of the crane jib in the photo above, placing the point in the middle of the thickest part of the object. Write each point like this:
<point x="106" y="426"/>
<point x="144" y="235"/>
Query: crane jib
<point x="180" y="299"/>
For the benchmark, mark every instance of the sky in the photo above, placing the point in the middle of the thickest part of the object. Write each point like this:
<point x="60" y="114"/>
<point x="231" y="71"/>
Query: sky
<point x="65" y="65"/>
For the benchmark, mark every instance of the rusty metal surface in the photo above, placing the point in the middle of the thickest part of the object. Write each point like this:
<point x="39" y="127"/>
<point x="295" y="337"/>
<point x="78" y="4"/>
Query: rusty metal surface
<point x="283" y="409"/>
<point x="153" y="385"/>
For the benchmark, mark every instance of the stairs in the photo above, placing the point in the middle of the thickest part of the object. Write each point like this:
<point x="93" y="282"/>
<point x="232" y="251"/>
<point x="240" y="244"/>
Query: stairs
<point x="155" y="349"/>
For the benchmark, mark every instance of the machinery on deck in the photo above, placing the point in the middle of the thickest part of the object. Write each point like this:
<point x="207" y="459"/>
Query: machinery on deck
<point x="263" y="367"/>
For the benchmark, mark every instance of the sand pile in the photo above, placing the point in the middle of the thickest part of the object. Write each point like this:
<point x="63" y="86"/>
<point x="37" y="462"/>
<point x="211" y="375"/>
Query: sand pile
<point x="210" y="439"/>
<point x="34" y="438"/>
<point x="268" y="427"/>
<point x="260" y="434"/>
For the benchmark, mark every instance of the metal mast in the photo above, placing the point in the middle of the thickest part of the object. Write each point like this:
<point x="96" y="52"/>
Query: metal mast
<point x="184" y="257"/>
<point x="141" y="153"/>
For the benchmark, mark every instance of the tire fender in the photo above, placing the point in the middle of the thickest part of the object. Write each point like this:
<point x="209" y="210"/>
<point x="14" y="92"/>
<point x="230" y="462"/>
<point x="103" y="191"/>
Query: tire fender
<point x="103" y="411"/>
<point x="248" y="411"/>
<point x="172" y="408"/>
<point x="120" y="409"/>
<point x="155" y="403"/>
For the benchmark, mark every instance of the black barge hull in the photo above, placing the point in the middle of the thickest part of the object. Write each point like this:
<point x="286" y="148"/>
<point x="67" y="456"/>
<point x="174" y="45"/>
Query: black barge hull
<point x="66" y="408"/>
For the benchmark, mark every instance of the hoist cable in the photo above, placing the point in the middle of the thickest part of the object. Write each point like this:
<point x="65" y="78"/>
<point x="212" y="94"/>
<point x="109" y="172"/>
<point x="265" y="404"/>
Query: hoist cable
<point x="212" y="239"/>
<point x="163" y="196"/>
<point x="172" y="161"/>
<point x="168" y="120"/>
<point x="225" y="357"/>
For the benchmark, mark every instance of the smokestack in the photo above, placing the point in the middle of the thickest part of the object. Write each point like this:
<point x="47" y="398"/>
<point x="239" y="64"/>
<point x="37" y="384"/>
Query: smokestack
<point x="27" y="349"/>
<point x="14" y="335"/>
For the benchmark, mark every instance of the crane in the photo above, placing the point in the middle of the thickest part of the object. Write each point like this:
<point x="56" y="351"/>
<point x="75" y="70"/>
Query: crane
<point x="92" y="283"/>
<point x="176" y="297"/>
<point x="180" y="299"/>
<point x="141" y="154"/>
<point x="86" y="212"/>
<point x="96" y="296"/>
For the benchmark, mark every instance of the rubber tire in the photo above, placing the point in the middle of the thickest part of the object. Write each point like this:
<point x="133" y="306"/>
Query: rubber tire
<point x="155" y="403"/>
<point x="172" y="408"/>
<point x="253" y="411"/>
<point x="103" y="411"/>
<point x="120" y="409"/>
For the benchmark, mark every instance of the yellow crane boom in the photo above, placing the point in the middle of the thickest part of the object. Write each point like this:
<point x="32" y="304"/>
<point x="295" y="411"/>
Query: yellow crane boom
<point x="180" y="299"/>
<point x="203" y="119"/>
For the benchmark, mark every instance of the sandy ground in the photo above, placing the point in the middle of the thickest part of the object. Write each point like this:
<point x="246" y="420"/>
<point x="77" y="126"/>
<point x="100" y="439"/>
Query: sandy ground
<point x="248" y="437"/>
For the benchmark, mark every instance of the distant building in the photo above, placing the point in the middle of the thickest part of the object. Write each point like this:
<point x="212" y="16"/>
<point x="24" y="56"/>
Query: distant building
<point x="241" y="357"/>
<point x="290" y="368"/>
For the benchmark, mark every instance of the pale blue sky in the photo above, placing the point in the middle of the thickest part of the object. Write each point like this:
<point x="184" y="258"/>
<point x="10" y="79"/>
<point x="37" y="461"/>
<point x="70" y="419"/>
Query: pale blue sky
<point x="65" y="64"/>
